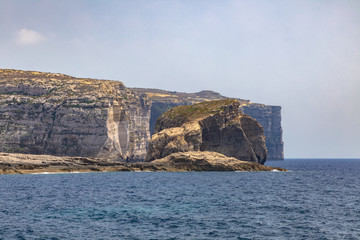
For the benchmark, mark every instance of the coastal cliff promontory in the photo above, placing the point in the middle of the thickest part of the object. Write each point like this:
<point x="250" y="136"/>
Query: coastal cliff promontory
<point x="268" y="116"/>
<point x="52" y="122"/>
<point x="216" y="126"/>
<point x="56" y="114"/>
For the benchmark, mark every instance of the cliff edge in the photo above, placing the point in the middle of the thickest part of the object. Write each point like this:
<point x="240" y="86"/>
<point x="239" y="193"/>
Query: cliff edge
<point x="57" y="114"/>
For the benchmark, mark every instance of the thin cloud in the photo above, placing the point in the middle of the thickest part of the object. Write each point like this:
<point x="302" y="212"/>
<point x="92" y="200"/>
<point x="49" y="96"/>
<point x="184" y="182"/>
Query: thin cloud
<point x="28" y="37"/>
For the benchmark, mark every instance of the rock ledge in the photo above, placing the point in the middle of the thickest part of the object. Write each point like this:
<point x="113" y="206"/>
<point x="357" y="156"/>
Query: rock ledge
<point x="11" y="163"/>
<point x="207" y="161"/>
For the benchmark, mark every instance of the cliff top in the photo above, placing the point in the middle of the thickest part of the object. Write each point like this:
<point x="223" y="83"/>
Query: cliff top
<point x="181" y="97"/>
<point x="34" y="83"/>
<point x="181" y="114"/>
<point x="15" y="163"/>
<point x="200" y="110"/>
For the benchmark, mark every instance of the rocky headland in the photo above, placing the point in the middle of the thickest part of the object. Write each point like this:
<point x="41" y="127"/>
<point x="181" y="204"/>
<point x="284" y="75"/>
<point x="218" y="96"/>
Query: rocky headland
<point x="56" y="114"/>
<point x="207" y="161"/>
<point x="216" y="126"/>
<point x="53" y="122"/>
<point x="268" y="116"/>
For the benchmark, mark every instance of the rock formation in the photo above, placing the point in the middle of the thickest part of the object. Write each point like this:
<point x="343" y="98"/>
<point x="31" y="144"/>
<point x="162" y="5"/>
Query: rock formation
<point x="268" y="116"/>
<point x="16" y="163"/>
<point x="207" y="161"/>
<point x="216" y="126"/>
<point x="46" y="113"/>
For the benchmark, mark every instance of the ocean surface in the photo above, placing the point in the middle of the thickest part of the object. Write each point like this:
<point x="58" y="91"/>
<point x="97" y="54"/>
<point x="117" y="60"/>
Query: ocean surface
<point x="317" y="199"/>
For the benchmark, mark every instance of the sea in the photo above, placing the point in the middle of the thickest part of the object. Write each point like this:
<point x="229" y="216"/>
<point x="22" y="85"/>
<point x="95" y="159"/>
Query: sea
<point x="316" y="199"/>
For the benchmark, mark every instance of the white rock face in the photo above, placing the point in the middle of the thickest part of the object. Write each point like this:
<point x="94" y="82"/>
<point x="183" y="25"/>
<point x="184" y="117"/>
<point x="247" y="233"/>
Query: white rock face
<point x="44" y="113"/>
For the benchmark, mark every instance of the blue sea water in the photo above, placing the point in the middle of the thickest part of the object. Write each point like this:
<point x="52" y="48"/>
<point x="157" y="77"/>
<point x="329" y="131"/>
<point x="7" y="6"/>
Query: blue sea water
<point x="317" y="199"/>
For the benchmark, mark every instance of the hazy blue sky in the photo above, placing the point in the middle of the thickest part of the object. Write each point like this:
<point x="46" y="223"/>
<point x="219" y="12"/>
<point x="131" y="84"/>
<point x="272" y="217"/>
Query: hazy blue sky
<point x="302" y="55"/>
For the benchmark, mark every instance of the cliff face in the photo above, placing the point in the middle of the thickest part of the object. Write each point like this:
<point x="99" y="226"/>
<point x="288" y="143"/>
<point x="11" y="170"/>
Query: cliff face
<point x="216" y="126"/>
<point x="17" y="163"/>
<point x="207" y="161"/>
<point x="268" y="116"/>
<point x="44" y="113"/>
<point x="162" y="100"/>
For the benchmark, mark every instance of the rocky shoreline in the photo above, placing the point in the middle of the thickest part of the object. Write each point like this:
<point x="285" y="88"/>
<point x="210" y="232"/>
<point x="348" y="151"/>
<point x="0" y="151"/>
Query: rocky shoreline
<point x="61" y="115"/>
<point x="91" y="125"/>
<point x="14" y="163"/>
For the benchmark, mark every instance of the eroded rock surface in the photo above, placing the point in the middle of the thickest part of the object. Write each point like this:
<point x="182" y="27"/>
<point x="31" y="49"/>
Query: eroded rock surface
<point x="207" y="161"/>
<point x="268" y="116"/>
<point x="216" y="126"/>
<point x="17" y="163"/>
<point x="47" y="113"/>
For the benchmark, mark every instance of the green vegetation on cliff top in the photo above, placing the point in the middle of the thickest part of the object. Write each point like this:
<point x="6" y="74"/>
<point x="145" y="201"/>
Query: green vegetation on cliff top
<point x="197" y="111"/>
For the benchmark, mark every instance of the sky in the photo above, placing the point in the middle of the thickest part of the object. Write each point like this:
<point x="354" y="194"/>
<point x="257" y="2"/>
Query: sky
<point x="303" y="55"/>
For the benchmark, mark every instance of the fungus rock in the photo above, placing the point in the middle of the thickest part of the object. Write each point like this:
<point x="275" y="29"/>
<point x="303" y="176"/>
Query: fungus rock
<point x="215" y="126"/>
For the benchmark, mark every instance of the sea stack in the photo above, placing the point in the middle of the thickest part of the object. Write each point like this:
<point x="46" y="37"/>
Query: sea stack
<point x="212" y="126"/>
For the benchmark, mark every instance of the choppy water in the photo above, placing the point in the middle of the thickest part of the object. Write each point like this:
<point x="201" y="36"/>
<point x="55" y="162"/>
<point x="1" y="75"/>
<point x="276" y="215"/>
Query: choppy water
<point x="318" y="199"/>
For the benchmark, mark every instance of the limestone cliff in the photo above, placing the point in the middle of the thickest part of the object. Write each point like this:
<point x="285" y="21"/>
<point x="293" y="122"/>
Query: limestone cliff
<point x="46" y="113"/>
<point x="268" y="116"/>
<point x="216" y="126"/>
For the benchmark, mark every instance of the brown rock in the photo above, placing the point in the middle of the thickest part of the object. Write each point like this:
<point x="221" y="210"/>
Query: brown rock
<point x="268" y="116"/>
<point x="207" y="161"/>
<point x="216" y="126"/>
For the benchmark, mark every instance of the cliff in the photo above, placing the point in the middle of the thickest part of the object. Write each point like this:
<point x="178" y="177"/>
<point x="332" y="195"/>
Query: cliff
<point x="162" y="100"/>
<point x="47" y="113"/>
<point x="216" y="126"/>
<point x="268" y="116"/>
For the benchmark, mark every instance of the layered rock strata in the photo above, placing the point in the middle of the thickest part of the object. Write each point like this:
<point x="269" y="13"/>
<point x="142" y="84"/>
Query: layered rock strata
<point x="12" y="163"/>
<point x="268" y="116"/>
<point x="17" y="163"/>
<point x="46" y="113"/>
<point x="216" y="126"/>
<point x="162" y="100"/>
